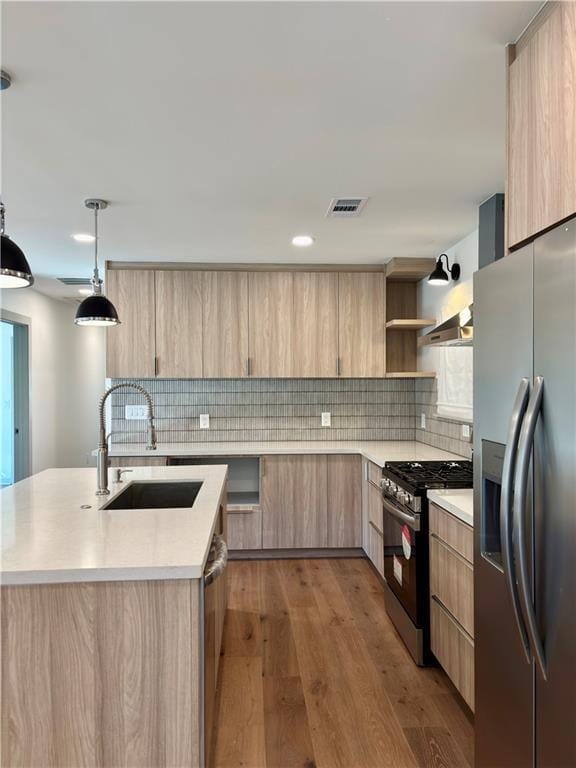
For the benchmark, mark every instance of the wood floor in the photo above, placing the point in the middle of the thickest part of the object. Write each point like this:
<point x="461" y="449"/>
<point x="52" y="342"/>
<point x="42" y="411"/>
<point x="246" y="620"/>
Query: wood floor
<point x="314" y="675"/>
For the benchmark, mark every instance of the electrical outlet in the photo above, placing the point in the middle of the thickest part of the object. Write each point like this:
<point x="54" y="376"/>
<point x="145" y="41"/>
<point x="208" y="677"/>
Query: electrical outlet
<point x="465" y="431"/>
<point x="326" y="419"/>
<point x="422" y="421"/>
<point x="204" y="421"/>
<point x="136" y="412"/>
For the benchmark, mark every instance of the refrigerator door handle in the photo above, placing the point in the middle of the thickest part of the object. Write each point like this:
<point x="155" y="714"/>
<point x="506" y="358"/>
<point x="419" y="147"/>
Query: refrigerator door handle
<point x="508" y="469"/>
<point x="520" y="492"/>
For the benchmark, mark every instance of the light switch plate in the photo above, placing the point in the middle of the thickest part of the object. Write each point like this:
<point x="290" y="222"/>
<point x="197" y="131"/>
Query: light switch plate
<point x="136" y="412"/>
<point x="326" y="419"/>
<point x="422" y="421"/>
<point x="204" y="421"/>
<point x="465" y="431"/>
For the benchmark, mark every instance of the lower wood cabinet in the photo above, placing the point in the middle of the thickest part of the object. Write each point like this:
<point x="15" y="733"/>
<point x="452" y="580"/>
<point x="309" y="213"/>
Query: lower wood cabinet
<point x="344" y="501"/>
<point x="452" y="598"/>
<point x="244" y="527"/>
<point x="215" y="601"/>
<point x="376" y="548"/>
<point x="454" y="650"/>
<point x="311" y="502"/>
<point x="294" y="502"/>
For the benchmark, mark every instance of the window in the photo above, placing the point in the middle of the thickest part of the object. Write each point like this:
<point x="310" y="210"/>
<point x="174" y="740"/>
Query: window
<point x="455" y="383"/>
<point x="14" y="415"/>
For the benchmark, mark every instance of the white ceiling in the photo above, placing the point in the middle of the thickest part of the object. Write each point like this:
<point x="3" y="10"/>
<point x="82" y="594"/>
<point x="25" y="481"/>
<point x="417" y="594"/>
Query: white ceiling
<point x="217" y="131"/>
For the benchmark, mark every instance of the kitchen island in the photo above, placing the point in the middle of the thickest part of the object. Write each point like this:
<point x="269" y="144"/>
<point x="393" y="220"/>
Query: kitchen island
<point x="110" y="638"/>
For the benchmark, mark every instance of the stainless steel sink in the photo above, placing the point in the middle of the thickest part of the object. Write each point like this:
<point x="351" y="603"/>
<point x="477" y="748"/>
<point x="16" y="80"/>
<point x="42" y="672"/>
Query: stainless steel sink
<point x="155" y="495"/>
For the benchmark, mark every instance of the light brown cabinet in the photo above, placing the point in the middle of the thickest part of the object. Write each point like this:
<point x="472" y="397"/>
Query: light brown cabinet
<point x="264" y="324"/>
<point x="225" y="325"/>
<point x="271" y="324"/>
<point x="362" y="324"/>
<point x="130" y="346"/>
<point x="315" y="349"/>
<point x="215" y="601"/>
<point x="452" y="598"/>
<point x="294" y="503"/>
<point x="244" y="527"/>
<point x="373" y="517"/>
<point x="178" y="324"/>
<point x="344" y="501"/>
<point x="541" y="178"/>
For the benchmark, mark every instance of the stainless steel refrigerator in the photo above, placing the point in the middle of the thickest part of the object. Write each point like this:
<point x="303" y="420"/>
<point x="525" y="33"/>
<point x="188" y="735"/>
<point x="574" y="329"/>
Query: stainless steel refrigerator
<point x="525" y="505"/>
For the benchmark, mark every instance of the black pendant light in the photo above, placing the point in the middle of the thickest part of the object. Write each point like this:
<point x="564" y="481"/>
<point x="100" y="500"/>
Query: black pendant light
<point x="96" y="309"/>
<point x="439" y="276"/>
<point x="15" y="271"/>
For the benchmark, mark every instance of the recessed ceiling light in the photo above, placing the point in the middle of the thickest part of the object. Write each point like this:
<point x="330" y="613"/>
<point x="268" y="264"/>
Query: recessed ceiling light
<point x="302" y="241"/>
<point x="81" y="237"/>
<point x="85" y="291"/>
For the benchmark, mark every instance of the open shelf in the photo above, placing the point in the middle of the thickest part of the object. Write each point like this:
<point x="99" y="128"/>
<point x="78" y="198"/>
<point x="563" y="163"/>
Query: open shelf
<point x="243" y="498"/>
<point x="411" y="375"/>
<point x="410" y="325"/>
<point x="407" y="269"/>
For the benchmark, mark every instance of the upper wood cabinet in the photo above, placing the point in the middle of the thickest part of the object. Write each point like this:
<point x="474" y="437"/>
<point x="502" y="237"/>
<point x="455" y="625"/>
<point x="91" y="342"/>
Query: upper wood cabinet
<point x="362" y="324"/>
<point x="271" y="324"/>
<point x="179" y="324"/>
<point x="315" y="349"/>
<point x="130" y="347"/>
<point x="225" y="325"/>
<point x="541" y="178"/>
<point x="233" y="324"/>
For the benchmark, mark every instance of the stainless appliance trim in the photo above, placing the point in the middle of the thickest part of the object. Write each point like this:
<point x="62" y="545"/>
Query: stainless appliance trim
<point x="216" y="567"/>
<point x="412" y="636"/>
<point x="411" y="520"/>
<point x="520" y="493"/>
<point x="508" y="470"/>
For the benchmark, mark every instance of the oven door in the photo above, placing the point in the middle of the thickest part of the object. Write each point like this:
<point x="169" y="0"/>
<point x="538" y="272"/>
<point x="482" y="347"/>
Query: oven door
<point x="405" y="558"/>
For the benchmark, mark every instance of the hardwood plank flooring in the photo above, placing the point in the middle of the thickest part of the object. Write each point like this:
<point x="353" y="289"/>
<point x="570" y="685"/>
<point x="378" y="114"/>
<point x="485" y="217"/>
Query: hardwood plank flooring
<point x="315" y="676"/>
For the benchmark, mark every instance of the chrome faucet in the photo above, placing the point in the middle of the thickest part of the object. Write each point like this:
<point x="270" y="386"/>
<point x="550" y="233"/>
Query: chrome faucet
<point x="102" y="454"/>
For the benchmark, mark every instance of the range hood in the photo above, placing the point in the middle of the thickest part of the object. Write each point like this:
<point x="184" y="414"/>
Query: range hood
<point x="458" y="331"/>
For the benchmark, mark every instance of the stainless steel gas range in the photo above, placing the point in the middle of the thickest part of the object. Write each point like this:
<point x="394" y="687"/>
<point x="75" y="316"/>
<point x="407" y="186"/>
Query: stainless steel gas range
<point x="404" y="491"/>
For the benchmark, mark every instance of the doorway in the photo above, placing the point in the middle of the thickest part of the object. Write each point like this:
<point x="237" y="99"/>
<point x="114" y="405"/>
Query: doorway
<point x="14" y="400"/>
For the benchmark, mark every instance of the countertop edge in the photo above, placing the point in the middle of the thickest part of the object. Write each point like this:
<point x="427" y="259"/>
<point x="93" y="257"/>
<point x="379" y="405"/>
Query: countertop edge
<point x="452" y="508"/>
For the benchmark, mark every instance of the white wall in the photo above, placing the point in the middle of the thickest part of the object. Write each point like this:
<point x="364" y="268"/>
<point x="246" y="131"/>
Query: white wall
<point x="453" y="364"/>
<point x="67" y="370"/>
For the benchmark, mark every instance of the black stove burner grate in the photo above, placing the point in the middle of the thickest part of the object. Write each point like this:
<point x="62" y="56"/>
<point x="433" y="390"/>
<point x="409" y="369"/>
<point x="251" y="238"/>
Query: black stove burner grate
<point x="425" y="474"/>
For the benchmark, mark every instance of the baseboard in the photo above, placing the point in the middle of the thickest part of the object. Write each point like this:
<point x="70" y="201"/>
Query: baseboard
<point x="292" y="554"/>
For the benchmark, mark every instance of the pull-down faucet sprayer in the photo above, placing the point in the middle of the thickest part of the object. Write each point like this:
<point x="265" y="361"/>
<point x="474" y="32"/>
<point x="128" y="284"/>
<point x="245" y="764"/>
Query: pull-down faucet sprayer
<point x="102" y="455"/>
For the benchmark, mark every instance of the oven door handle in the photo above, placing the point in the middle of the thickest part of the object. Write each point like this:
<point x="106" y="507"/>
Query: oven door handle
<point x="413" y="521"/>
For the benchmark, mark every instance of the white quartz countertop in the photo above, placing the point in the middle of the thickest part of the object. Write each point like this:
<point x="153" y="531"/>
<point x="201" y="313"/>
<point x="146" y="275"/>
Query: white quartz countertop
<point x="48" y="538"/>
<point x="459" y="502"/>
<point x="378" y="452"/>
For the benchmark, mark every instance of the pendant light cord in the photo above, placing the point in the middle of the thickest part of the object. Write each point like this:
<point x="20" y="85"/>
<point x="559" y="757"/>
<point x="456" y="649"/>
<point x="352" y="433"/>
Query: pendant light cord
<point x="96" y="282"/>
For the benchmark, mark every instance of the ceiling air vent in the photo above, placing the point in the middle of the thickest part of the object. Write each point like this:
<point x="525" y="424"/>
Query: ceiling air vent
<point x="346" y="207"/>
<point x="74" y="280"/>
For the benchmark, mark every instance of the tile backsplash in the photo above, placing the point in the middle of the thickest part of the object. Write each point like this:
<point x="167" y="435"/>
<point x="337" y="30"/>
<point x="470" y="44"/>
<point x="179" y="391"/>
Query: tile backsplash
<point x="284" y="409"/>
<point x="440" y="432"/>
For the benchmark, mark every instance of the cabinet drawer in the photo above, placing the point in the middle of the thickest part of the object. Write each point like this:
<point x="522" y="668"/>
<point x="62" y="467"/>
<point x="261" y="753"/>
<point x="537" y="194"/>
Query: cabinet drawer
<point x="375" y="509"/>
<point x="374" y="473"/>
<point x="452" y="581"/>
<point x="244" y="527"/>
<point x="452" y="531"/>
<point x="376" y="548"/>
<point x="453" y="649"/>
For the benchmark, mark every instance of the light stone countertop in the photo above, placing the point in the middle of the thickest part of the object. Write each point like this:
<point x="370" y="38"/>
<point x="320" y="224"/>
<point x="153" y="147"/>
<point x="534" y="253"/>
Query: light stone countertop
<point x="378" y="452"/>
<point x="459" y="502"/>
<point x="48" y="539"/>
